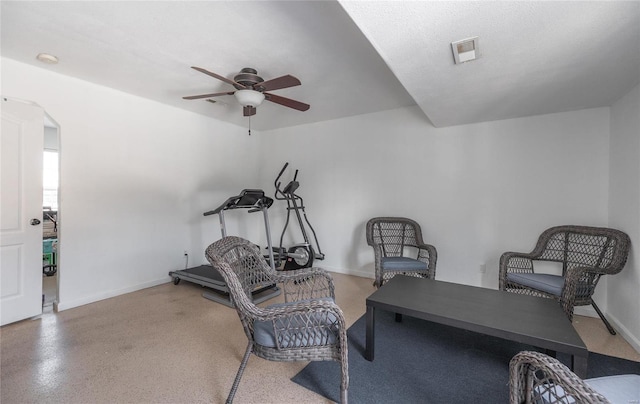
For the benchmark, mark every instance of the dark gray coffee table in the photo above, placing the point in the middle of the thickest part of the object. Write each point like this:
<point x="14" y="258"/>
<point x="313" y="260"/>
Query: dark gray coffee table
<point x="526" y="319"/>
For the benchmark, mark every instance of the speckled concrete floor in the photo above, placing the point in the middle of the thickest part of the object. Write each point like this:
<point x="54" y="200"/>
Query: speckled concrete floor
<point x="167" y="344"/>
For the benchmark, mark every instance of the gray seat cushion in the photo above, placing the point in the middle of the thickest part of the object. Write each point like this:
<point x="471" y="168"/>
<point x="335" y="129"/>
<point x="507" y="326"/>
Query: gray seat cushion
<point x="549" y="394"/>
<point x="622" y="389"/>
<point x="402" y="264"/>
<point x="297" y="334"/>
<point x="617" y="389"/>
<point x="552" y="284"/>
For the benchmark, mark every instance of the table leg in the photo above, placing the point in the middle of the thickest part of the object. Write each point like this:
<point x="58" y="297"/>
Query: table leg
<point x="370" y="337"/>
<point x="579" y="366"/>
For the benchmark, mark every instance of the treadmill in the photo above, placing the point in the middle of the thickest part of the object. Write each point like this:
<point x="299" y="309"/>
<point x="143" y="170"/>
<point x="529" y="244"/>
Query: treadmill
<point x="207" y="276"/>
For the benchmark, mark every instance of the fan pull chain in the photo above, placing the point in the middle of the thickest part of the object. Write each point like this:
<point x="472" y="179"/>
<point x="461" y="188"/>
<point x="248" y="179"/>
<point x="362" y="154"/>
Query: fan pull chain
<point x="249" y="126"/>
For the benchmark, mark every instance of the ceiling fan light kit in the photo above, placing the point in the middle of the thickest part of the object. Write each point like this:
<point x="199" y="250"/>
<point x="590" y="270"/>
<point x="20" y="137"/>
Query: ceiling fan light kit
<point x="249" y="98"/>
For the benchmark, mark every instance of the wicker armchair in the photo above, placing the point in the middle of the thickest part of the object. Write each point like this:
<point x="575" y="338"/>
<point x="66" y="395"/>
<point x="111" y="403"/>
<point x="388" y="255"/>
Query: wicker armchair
<point x="309" y="326"/>
<point x="393" y="239"/>
<point x="537" y="378"/>
<point x="586" y="253"/>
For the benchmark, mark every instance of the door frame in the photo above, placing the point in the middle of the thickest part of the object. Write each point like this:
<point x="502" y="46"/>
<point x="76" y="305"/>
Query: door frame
<point x="54" y="124"/>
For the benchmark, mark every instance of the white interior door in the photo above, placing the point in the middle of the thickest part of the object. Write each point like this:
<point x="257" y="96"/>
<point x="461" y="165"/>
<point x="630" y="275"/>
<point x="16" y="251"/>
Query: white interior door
<point x="21" y="149"/>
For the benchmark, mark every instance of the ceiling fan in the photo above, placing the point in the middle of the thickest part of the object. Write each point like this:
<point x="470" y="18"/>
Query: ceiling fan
<point x="251" y="90"/>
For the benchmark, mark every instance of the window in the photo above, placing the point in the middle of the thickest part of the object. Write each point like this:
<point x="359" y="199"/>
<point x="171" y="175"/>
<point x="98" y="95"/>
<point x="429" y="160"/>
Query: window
<point x="50" y="179"/>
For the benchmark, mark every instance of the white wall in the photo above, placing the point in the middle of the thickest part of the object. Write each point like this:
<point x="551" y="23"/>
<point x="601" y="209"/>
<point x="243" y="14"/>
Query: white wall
<point x="477" y="190"/>
<point x="137" y="175"/>
<point x="135" y="178"/>
<point x="624" y="213"/>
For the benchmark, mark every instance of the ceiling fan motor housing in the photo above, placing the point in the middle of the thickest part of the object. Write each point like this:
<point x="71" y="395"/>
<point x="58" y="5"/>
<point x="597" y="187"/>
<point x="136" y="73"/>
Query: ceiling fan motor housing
<point x="248" y="77"/>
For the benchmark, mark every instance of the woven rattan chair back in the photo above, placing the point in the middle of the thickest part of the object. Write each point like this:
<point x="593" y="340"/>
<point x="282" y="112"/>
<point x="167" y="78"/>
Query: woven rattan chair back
<point x="537" y="378"/>
<point x="308" y="326"/>
<point x="577" y="246"/>
<point x="393" y="234"/>
<point x="398" y="237"/>
<point x="591" y="251"/>
<point x="246" y="264"/>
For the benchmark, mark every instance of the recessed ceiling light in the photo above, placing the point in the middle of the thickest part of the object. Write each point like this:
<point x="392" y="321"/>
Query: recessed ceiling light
<point x="466" y="50"/>
<point x="47" y="58"/>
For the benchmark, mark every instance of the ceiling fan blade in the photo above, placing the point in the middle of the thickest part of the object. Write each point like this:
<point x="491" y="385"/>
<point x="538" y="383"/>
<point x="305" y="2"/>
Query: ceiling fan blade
<point x="217" y="76"/>
<point x="278" y="83"/>
<point x="249" y="110"/>
<point x="287" y="102"/>
<point x="195" y="97"/>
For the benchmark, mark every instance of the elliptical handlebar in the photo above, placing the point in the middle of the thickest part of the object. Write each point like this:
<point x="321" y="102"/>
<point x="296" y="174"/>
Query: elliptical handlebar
<point x="286" y="164"/>
<point x="277" y="182"/>
<point x="289" y="190"/>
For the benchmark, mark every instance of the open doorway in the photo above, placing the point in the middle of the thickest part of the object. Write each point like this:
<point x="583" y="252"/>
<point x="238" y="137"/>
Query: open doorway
<point x="50" y="209"/>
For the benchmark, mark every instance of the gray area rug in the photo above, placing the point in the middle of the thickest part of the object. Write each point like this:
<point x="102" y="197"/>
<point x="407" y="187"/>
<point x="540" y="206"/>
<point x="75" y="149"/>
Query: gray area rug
<point x="417" y="361"/>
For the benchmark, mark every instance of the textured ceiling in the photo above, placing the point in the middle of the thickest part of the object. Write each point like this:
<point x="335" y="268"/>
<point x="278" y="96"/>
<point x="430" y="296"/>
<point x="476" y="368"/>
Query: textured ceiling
<point x="352" y="57"/>
<point x="538" y="57"/>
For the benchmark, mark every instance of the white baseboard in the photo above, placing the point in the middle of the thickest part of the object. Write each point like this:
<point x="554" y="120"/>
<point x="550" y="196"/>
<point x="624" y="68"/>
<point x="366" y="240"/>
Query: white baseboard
<point x="633" y="340"/>
<point x="63" y="305"/>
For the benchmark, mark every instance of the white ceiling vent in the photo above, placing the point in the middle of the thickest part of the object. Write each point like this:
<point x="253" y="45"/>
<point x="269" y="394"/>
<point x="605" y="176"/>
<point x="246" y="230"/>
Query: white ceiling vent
<point x="466" y="50"/>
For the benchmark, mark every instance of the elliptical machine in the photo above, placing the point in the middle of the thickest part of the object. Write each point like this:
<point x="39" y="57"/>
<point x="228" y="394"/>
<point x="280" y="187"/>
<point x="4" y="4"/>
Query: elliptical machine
<point x="300" y="255"/>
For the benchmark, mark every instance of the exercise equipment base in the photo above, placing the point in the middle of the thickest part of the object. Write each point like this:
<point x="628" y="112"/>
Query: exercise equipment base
<point x="209" y="277"/>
